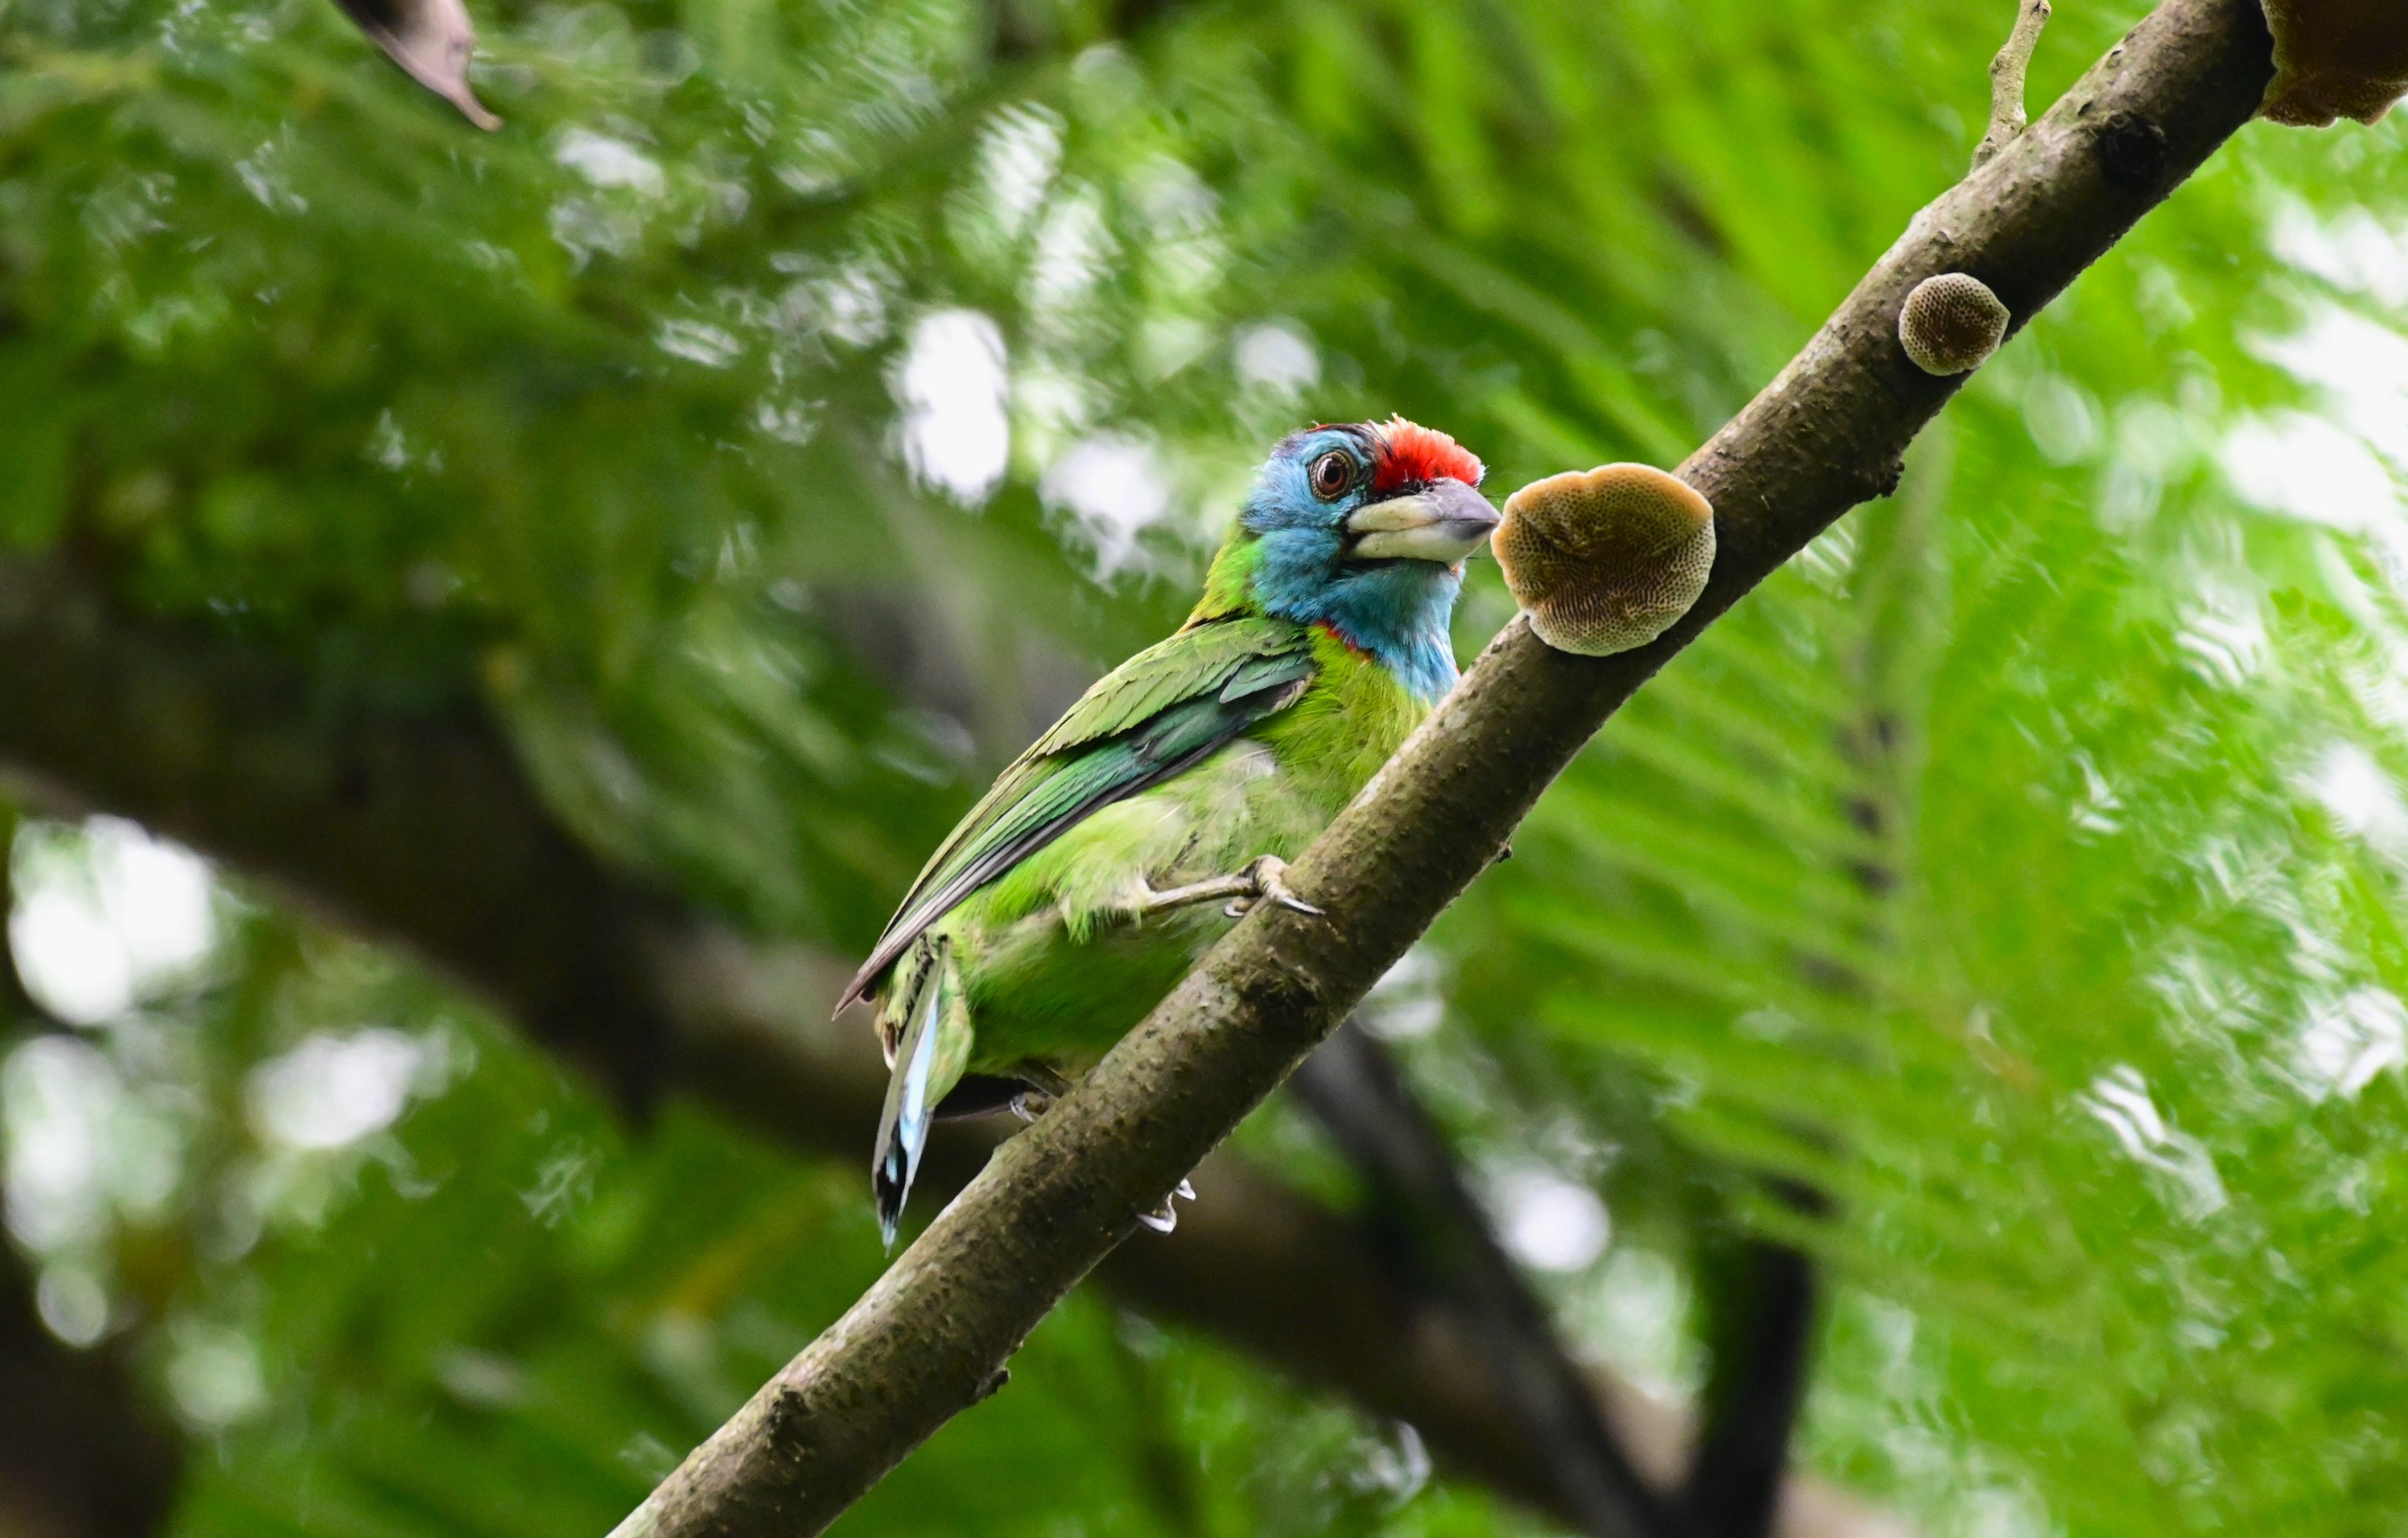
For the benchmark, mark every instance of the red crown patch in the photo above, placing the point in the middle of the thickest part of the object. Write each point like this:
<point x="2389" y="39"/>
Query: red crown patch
<point x="1411" y="454"/>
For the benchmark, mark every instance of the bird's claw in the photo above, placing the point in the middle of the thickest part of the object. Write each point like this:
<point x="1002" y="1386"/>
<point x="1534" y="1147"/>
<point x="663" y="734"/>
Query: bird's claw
<point x="1029" y="1104"/>
<point x="1268" y="875"/>
<point x="1264" y="877"/>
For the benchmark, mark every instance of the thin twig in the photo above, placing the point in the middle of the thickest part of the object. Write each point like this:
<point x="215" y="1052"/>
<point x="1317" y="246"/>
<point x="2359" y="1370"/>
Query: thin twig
<point x="2007" y="72"/>
<point x="1355" y="1089"/>
<point x="1827" y="433"/>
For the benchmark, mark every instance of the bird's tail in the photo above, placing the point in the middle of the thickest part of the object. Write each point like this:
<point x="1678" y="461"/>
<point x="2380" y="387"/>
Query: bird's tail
<point x="933" y="1049"/>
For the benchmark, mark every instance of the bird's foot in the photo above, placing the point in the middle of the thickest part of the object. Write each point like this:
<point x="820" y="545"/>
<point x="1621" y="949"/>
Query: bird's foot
<point x="1165" y="1218"/>
<point x="1268" y="879"/>
<point x="1266" y="876"/>
<point x="1029" y="1104"/>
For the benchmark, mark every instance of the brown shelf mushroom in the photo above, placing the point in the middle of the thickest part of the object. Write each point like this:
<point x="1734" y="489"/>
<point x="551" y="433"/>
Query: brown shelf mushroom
<point x="2336" y="59"/>
<point x="1951" y="323"/>
<point x="1605" y="560"/>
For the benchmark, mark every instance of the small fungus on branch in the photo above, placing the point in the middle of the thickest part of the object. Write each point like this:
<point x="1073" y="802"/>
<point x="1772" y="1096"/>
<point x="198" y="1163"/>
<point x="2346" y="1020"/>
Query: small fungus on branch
<point x="1951" y="323"/>
<point x="2008" y="68"/>
<point x="2336" y="59"/>
<point x="1605" y="559"/>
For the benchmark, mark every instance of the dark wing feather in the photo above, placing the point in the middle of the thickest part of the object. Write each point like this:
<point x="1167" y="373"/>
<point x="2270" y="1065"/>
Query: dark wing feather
<point x="1265" y="674"/>
<point x="1149" y="718"/>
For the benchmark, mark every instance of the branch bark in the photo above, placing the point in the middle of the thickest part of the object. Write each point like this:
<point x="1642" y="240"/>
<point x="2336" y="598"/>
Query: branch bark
<point x="931" y="1338"/>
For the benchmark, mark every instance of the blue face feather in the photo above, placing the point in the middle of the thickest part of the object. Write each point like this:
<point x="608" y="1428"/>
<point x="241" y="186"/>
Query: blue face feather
<point x="1394" y="610"/>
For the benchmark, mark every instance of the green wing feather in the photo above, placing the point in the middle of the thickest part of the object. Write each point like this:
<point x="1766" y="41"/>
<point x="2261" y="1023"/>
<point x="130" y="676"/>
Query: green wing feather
<point x="1192" y="662"/>
<point x="1140" y="724"/>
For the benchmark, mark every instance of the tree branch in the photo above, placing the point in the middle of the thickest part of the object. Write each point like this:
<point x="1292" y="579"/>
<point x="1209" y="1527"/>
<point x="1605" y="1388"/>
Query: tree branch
<point x="1355" y="1089"/>
<point x="388" y="821"/>
<point x="931" y="1338"/>
<point x="1760" y="1330"/>
<point x="414" y="825"/>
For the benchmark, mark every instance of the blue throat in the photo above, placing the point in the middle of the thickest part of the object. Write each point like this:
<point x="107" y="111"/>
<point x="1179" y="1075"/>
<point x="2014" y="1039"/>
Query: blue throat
<point x="1396" y="611"/>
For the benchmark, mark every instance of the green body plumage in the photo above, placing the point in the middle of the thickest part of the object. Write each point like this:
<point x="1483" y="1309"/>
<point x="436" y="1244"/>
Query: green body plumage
<point x="1028" y="945"/>
<point x="1054" y="965"/>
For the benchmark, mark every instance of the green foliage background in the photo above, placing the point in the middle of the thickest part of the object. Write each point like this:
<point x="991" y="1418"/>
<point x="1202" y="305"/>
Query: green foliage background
<point x="2022" y="865"/>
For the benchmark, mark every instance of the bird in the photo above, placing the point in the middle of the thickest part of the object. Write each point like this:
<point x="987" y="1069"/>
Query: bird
<point x="1167" y="801"/>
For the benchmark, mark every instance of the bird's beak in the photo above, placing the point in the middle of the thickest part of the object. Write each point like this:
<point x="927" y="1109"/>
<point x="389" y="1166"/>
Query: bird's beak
<point x="1443" y="521"/>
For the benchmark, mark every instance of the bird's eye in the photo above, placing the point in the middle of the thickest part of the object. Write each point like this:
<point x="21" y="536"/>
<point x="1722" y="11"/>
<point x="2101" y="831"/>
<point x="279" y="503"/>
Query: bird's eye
<point x="1332" y="473"/>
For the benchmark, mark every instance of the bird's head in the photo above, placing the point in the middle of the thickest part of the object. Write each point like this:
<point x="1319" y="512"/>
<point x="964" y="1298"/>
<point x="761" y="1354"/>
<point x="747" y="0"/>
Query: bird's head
<point x="1361" y="528"/>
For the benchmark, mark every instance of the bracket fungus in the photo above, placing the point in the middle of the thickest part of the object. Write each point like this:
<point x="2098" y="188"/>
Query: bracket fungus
<point x="1605" y="560"/>
<point x="1951" y="323"/>
<point x="2336" y="59"/>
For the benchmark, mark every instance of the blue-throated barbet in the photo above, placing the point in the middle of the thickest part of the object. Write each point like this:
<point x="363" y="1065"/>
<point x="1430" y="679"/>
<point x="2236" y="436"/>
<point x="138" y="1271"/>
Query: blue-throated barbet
<point x="1096" y="871"/>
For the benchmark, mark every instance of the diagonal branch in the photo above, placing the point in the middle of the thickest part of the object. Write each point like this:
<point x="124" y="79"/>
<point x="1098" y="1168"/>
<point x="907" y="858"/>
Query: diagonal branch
<point x="1354" y="1086"/>
<point x="415" y="824"/>
<point x="932" y="1337"/>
